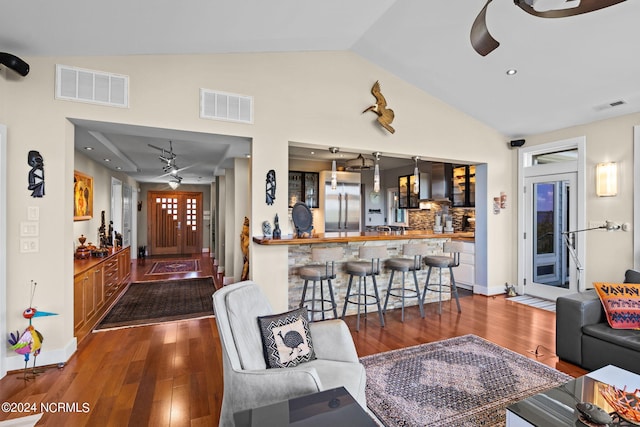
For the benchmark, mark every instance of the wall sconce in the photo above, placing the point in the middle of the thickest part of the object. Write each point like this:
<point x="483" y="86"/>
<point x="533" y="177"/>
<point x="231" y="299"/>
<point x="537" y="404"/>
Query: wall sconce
<point x="606" y="179"/>
<point x="334" y="172"/>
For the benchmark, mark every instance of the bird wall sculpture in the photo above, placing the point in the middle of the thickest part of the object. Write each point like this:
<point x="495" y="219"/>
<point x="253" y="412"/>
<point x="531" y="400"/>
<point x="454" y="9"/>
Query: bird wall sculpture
<point x="385" y="115"/>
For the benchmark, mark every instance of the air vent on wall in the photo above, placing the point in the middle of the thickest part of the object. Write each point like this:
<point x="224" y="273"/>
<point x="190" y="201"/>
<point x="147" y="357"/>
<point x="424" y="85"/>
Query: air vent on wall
<point x="96" y="87"/>
<point x="226" y="106"/>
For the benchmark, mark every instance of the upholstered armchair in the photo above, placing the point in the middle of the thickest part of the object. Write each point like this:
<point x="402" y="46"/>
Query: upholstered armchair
<point x="248" y="383"/>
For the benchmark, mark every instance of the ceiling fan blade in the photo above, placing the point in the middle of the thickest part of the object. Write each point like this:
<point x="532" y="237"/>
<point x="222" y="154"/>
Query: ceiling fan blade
<point x="585" y="7"/>
<point x="481" y="40"/>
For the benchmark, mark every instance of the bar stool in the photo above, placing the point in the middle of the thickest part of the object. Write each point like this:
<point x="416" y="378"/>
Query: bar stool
<point x="320" y="273"/>
<point x="363" y="269"/>
<point x="440" y="262"/>
<point x="404" y="265"/>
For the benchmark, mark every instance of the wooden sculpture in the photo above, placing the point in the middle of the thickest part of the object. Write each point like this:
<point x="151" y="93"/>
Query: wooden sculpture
<point x="244" y="245"/>
<point x="385" y="115"/>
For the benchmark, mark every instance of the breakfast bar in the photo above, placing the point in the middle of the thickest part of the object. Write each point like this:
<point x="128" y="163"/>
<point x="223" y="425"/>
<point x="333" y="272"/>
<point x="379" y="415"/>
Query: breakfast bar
<point x="300" y="255"/>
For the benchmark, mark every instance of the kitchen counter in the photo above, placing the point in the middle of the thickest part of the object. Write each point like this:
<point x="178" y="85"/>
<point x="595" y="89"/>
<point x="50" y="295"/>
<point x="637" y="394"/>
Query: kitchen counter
<point x="364" y="236"/>
<point x="300" y="255"/>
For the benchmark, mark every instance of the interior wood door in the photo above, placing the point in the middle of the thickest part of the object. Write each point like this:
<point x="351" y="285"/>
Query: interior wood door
<point x="175" y="222"/>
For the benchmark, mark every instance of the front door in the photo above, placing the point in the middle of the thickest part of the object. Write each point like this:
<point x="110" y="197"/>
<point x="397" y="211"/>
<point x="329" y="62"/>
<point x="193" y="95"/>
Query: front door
<point x="550" y="213"/>
<point x="175" y="222"/>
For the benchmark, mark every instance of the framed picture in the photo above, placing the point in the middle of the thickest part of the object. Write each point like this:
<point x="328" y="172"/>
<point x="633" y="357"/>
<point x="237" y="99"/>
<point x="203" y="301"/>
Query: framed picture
<point x="82" y="196"/>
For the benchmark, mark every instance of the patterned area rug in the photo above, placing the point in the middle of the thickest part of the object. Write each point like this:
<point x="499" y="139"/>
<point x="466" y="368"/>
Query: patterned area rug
<point x="175" y="266"/>
<point x="147" y="303"/>
<point x="462" y="381"/>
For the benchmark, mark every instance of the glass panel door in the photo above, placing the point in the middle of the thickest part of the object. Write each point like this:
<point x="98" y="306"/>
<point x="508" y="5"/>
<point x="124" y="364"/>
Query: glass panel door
<point x="550" y="213"/>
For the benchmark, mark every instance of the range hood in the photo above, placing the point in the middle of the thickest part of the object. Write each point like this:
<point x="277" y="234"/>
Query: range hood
<point x="439" y="182"/>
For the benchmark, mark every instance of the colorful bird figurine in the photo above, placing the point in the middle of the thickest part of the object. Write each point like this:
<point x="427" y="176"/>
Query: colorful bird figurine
<point x="385" y="115"/>
<point x="30" y="342"/>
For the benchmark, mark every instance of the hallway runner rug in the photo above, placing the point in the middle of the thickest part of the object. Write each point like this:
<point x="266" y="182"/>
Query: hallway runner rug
<point x="175" y="266"/>
<point x="148" y="303"/>
<point x="462" y="381"/>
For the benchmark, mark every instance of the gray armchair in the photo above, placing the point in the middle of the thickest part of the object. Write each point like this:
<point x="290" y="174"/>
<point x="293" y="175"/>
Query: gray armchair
<point x="247" y="381"/>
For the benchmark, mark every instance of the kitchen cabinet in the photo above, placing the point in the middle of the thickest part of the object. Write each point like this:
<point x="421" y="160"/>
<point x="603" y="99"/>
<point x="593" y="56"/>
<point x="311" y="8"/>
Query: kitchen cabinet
<point x="407" y="199"/>
<point x="303" y="187"/>
<point x="465" y="273"/>
<point x="464" y="186"/>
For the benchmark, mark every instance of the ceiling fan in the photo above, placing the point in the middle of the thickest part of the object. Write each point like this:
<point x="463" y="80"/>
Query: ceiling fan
<point x="484" y="43"/>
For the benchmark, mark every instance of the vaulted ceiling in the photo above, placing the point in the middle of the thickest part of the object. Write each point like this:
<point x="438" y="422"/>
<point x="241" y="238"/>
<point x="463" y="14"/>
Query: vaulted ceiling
<point x="569" y="70"/>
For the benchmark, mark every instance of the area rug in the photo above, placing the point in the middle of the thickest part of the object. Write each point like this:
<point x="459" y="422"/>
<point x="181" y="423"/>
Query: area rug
<point x="175" y="266"/>
<point x="462" y="381"/>
<point x="156" y="302"/>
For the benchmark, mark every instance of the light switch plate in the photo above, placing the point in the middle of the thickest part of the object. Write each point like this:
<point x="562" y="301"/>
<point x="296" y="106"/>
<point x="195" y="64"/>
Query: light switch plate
<point x="29" y="245"/>
<point x="33" y="213"/>
<point x="29" y="229"/>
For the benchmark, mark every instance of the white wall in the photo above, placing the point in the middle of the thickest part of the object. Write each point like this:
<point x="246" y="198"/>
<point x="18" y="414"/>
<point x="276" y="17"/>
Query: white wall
<point x="308" y="97"/>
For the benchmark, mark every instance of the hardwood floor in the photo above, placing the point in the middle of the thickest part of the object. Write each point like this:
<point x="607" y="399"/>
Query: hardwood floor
<point x="171" y="374"/>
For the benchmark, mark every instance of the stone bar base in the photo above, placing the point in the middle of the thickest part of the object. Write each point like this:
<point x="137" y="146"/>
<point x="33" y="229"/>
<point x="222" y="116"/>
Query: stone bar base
<point x="300" y="255"/>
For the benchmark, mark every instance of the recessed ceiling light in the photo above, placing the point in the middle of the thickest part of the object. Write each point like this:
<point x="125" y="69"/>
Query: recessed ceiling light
<point x="88" y="148"/>
<point x="313" y="152"/>
<point x="511" y="71"/>
<point x="118" y="168"/>
<point x="107" y="160"/>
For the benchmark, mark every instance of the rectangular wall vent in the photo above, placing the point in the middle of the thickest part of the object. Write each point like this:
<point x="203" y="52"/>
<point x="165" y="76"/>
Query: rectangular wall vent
<point x="226" y="106"/>
<point x="96" y="87"/>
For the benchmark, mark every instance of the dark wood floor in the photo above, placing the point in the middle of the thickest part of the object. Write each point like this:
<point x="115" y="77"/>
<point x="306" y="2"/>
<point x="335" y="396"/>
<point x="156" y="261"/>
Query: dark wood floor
<point x="171" y="374"/>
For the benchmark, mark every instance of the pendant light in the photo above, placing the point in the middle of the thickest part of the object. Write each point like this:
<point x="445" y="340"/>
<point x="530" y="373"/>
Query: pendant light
<point x="416" y="177"/>
<point x="376" y="173"/>
<point x="334" y="172"/>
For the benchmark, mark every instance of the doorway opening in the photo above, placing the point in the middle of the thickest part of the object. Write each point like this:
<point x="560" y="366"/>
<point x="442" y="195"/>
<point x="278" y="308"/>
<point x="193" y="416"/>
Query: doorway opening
<point x="550" y="206"/>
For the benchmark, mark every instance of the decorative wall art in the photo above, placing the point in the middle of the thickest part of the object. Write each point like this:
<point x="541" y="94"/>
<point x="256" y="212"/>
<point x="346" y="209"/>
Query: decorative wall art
<point x="271" y="186"/>
<point x="82" y="196"/>
<point x="36" y="174"/>
<point x="385" y="115"/>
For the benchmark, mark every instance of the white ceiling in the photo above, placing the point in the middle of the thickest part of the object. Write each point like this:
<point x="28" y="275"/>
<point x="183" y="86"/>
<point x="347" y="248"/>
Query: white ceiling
<point x="569" y="69"/>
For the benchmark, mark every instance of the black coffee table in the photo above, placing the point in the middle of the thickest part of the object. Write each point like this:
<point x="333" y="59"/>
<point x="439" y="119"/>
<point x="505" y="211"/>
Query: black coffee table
<point x="333" y="408"/>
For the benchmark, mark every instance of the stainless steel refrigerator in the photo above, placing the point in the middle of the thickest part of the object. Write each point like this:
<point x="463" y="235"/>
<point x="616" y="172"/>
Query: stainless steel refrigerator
<point x="342" y="206"/>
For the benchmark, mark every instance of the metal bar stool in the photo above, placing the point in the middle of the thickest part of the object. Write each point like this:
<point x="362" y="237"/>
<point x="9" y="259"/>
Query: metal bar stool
<point x="404" y="265"/>
<point x="320" y="273"/>
<point x="440" y="262"/>
<point x="363" y="269"/>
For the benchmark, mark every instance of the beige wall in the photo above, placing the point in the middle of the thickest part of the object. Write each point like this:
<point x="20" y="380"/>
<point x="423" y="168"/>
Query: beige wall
<point x="608" y="254"/>
<point x="308" y="97"/>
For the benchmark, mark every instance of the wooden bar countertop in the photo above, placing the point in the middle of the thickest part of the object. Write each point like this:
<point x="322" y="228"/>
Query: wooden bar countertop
<point x="363" y="236"/>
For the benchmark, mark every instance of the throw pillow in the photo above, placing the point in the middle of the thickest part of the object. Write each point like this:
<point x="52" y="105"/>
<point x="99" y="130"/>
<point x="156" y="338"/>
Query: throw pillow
<point x="286" y="339"/>
<point x="621" y="304"/>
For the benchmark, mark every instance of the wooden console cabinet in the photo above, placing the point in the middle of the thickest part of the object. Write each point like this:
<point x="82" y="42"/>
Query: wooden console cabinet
<point x="97" y="284"/>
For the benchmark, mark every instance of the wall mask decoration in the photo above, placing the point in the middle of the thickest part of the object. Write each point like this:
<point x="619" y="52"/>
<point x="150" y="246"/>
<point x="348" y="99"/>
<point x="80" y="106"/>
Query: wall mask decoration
<point x="82" y="196"/>
<point x="36" y="174"/>
<point x="271" y="187"/>
<point x="385" y="115"/>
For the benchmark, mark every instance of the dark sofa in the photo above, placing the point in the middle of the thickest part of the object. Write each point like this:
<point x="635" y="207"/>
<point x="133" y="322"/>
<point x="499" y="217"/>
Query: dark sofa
<point x="584" y="338"/>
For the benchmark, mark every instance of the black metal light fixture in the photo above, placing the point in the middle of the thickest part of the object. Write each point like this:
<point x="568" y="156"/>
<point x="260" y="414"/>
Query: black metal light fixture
<point x="15" y="63"/>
